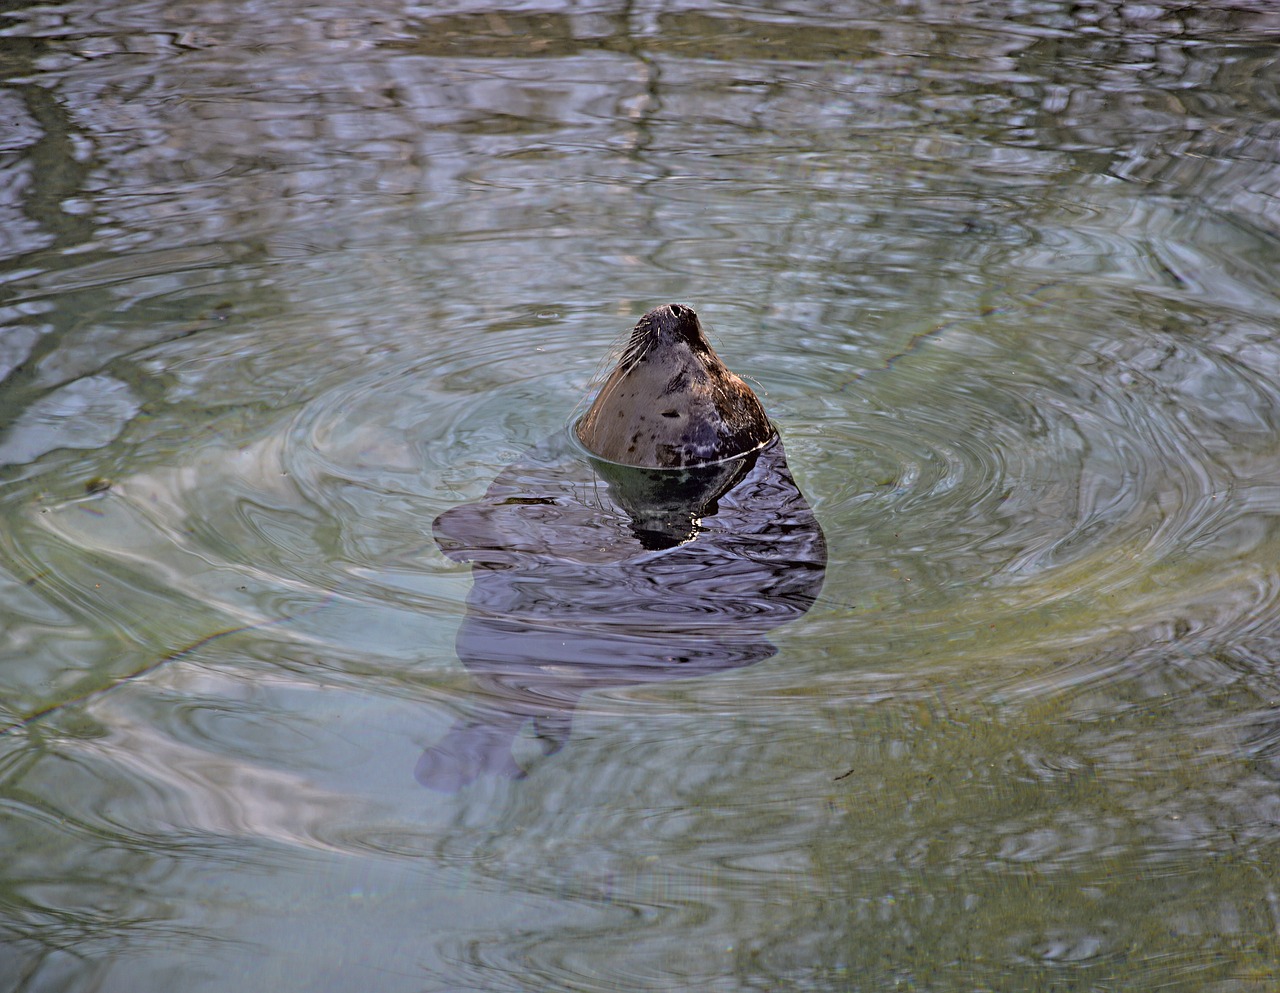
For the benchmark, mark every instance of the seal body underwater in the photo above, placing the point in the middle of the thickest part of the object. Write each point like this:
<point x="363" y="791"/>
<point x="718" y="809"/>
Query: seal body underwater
<point x="589" y="573"/>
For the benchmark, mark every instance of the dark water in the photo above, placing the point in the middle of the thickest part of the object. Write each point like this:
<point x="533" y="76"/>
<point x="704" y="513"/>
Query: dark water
<point x="280" y="285"/>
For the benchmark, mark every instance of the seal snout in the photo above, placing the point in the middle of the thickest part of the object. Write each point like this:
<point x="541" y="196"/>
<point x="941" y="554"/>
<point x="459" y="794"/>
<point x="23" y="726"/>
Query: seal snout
<point x="671" y="324"/>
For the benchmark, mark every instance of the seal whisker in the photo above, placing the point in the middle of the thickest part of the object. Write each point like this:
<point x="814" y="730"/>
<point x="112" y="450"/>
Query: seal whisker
<point x="617" y="356"/>
<point x="758" y="385"/>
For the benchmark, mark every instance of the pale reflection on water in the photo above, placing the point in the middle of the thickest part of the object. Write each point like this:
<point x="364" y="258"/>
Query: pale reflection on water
<point x="279" y="286"/>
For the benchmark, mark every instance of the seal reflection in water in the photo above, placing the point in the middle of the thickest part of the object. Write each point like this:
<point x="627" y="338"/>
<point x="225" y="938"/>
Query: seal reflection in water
<point x="668" y="549"/>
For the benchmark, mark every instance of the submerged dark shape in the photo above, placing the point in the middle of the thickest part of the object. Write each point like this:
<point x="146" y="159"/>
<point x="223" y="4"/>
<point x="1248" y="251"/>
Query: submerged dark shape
<point x="588" y="574"/>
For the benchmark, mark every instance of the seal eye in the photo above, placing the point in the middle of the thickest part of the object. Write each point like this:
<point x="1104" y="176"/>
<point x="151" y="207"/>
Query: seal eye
<point x="671" y="413"/>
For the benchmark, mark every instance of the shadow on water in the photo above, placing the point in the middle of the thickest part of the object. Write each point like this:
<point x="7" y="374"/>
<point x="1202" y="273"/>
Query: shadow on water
<point x="590" y="574"/>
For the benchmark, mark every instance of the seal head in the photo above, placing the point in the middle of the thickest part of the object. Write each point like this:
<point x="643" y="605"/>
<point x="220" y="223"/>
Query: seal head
<point x="671" y="403"/>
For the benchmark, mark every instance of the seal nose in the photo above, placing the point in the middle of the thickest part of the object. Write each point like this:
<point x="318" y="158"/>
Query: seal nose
<point x="678" y="319"/>
<point x="681" y="323"/>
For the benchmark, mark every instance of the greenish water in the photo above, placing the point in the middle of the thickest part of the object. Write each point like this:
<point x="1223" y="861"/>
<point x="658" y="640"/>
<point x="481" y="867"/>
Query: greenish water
<point x="281" y="284"/>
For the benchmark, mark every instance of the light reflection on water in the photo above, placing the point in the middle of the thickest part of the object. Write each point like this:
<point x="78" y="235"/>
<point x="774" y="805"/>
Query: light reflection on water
<point x="295" y="285"/>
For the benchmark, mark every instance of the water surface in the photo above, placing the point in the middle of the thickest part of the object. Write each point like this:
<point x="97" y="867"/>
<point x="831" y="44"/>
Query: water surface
<point x="279" y="285"/>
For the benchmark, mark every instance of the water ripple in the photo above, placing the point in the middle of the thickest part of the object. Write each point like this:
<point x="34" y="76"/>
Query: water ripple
<point x="282" y="289"/>
<point x="1092" y="467"/>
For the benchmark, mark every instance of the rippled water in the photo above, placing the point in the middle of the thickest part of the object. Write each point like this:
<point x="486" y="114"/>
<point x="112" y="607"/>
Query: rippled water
<point x="280" y="285"/>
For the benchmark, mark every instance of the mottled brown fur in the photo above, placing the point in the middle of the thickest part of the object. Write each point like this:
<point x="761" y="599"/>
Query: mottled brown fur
<point x="671" y="403"/>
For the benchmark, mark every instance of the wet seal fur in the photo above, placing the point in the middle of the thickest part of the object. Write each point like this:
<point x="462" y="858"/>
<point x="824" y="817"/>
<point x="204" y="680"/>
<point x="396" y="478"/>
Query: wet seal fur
<point x="671" y="402"/>
<point x="590" y="574"/>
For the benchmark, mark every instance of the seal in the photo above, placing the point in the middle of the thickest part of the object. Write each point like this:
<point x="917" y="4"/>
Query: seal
<point x="588" y="573"/>
<point x="671" y="403"/>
